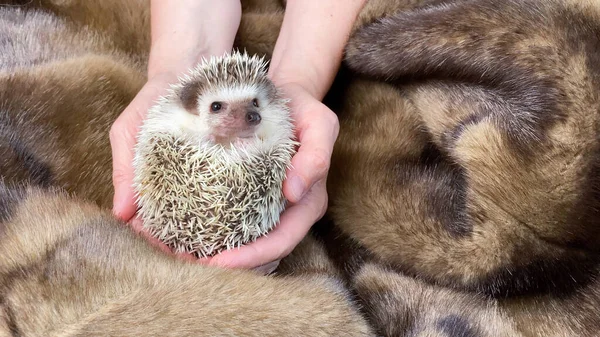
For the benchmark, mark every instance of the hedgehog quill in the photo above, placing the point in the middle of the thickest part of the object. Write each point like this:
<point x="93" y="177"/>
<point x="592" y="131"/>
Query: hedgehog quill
<point x="212" y="155"/>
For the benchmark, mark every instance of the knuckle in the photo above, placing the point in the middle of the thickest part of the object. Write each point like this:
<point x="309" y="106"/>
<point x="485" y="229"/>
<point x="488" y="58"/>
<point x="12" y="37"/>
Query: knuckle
<point x="331" y="118"/>
<point x="116" y="129"/>
<point x="121" y="173"/>
<point x="317" y="204"/>
<point x="118" y="175"/>
<point x="321" y="161"/>
<point x="333" y="121"/>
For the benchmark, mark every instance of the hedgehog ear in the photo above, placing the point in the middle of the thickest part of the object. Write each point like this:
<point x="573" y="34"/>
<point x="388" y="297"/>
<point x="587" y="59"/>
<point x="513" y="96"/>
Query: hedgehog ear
<point x="189" y="93"/>
<point x="270" y="89"/>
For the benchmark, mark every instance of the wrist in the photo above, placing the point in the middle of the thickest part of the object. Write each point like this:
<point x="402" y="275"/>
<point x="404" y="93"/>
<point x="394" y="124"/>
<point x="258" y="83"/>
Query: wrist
<point x="167" y="57"/>
<point x="304" y="54"/>
<point x="307" y="80"/>
<point x="184" y="33"/>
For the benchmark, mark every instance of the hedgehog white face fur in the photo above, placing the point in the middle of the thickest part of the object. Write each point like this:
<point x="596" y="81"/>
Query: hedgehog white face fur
<point x="211" y="157"/>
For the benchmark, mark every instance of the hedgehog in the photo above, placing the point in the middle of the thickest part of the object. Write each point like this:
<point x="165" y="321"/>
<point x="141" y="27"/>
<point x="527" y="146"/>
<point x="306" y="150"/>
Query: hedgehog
<point x="211" y="157"/>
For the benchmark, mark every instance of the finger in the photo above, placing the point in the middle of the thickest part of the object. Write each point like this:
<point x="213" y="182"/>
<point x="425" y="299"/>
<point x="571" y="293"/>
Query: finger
<point x="122" y="143"/>
<point x="295" y="222"/>
<point x="317" y="132"/>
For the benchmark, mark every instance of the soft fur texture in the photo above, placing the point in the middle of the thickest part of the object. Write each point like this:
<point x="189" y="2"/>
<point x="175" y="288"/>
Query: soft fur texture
<point x="487" y="183"/>
<point x="463" y="188"/>
<point x="67" y="268"/>
<point x="84" y="274"/>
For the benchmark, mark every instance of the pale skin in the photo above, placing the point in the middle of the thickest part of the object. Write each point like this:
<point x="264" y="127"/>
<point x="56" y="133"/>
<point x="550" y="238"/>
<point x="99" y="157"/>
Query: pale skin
<point x="305" y="60"/>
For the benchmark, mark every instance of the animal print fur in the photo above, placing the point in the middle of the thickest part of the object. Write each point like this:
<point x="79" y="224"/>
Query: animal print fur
<point x="463" y="189"/>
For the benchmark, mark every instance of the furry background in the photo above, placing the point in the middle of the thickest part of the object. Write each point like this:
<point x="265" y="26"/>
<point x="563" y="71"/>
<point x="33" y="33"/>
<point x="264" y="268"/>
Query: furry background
<point x="463" y="186"/>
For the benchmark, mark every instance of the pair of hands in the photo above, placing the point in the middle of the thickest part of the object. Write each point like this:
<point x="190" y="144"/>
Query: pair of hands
<point x="317" y="129"/>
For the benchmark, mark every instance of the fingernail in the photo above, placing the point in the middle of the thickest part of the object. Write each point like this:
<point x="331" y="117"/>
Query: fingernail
<point x="297" y="186"/>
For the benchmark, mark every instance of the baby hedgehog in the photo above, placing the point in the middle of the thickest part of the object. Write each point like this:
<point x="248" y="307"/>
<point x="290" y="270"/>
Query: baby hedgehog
<point x="212" y="155"/>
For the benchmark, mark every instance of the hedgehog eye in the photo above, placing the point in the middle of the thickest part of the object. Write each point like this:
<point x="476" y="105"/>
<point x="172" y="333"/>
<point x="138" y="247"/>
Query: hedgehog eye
<point x="215" y="106"/>
<point x="255" y="102"/>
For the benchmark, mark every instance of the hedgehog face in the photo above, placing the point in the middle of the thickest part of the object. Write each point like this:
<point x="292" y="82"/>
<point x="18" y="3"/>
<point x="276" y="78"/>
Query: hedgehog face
<point x="231" y="113"/>
<point x="234" y="114"/>
<point x="228" y="101"/>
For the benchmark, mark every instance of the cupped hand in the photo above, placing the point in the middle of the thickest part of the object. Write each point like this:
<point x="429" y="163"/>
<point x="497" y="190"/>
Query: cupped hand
<point x="317" y="129"/>
<point x="122" y="141"/>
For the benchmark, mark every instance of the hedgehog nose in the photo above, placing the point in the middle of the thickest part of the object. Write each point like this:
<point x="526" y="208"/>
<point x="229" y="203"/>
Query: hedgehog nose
<point x="253" y="118"/>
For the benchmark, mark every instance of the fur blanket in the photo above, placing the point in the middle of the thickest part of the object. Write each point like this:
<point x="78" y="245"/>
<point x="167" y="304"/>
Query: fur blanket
<point x="463" y="189"/>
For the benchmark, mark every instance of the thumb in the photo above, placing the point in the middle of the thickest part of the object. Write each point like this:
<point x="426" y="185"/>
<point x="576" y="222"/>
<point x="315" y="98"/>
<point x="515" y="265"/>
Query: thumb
<point x="122" y="139"/>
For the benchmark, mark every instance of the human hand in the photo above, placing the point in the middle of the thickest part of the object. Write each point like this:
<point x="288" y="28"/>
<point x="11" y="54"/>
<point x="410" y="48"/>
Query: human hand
<point x="317" y="129"/>
<point x="122" y="141"/>
<point x="181" y="36"/>
<point x="304" y="64"/>
<point x="305" y="186"/>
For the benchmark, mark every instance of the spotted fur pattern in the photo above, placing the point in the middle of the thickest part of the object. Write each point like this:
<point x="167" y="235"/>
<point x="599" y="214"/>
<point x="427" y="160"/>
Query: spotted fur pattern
<point x="463" y="187"/>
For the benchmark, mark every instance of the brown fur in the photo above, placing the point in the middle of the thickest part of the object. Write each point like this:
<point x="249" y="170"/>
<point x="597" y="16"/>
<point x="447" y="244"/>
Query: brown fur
<point x="504" y="190"/>
<point x="463" y="187"/>
<point x="61" y="102"/>
<point x="468" y="155"/>
<point x="403" y="306"/>
<point x="84" y="274"/>
<point x="67" y="267"/>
